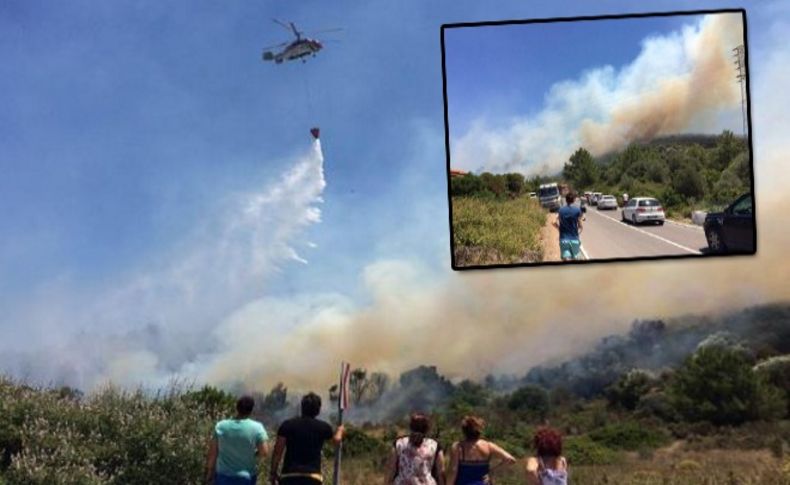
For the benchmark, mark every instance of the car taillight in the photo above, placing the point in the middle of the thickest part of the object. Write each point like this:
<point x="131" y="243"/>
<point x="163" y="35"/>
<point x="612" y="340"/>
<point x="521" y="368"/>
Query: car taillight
<point x="641" y="209"/>
<point x="659" y="208"/>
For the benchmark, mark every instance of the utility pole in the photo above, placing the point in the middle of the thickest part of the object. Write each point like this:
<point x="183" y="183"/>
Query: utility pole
<point x="740" y="65"/>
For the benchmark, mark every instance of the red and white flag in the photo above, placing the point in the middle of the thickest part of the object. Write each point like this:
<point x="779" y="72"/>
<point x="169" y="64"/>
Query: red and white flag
<point x="345" y="375"/>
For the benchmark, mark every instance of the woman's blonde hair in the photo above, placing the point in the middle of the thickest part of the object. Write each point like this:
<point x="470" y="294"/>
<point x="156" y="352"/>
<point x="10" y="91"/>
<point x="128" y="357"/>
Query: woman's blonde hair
<point x="472" y="427"/>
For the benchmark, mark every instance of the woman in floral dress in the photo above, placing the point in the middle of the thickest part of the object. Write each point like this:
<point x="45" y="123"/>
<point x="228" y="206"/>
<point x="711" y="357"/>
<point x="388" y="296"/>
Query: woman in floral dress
<point x="416" y="459"/>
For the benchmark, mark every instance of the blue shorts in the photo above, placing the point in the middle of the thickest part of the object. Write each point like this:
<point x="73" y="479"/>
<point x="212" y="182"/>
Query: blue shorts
<point x="570" y="248"/>
<point x="228" y="480"/>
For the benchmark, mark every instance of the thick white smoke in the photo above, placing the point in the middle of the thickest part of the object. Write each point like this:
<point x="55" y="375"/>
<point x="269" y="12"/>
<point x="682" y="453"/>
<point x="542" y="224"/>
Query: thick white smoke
<point x="683" y="82"/>
<point x="143" y="329"/>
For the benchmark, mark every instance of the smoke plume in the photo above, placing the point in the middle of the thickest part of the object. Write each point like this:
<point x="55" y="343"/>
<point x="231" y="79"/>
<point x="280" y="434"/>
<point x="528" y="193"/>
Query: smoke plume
<point x="144" y="329"/>
<point x="468" y="324"/>
<point x="683" y="82"/>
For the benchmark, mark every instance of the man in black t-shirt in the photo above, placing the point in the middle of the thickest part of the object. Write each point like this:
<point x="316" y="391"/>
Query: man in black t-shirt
<point x="302" y="439"/>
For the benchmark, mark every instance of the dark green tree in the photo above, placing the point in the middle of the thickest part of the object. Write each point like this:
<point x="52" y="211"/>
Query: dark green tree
<point x="471" y="393"/>
<point x="494" y="183"/>
<point x="688" y="182"/>
<point x="515" y="183"/>
<point x="629" y="389"/>
<point x="533" y="400"/>
<point x="581" y="169"/>
<point x="727" y="147"/>
<point x="466" y="185"/>
<point x="717" y="384"/>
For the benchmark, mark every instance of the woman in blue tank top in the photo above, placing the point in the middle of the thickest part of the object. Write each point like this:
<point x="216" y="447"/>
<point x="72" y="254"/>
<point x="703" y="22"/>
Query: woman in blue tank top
<point x="470" y="459"/>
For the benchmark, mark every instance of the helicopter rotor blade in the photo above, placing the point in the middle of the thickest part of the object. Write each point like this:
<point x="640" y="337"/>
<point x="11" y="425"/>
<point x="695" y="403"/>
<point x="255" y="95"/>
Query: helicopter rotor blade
<point x="324" y="31"/>
<point x="282" y="24"/>
<point x="283" y="44"/>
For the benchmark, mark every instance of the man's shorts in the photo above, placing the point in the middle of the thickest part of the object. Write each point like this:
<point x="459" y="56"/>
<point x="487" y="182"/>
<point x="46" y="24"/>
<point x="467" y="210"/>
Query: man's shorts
<point x="570" y="248"/>
<point x="220" y="479"/>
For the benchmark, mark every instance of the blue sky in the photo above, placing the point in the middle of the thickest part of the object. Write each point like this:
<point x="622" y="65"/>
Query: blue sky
<point x="508" y="69"/>
<point x="129" y="127"/>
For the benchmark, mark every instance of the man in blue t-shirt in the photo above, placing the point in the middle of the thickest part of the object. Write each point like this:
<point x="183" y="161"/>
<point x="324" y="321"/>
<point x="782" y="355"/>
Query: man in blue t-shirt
<point x="569" y="223"/>
<point x="236" y="447"/>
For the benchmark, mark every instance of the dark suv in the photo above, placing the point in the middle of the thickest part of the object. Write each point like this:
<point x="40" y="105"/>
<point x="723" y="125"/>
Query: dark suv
<point x="732" y="231"/>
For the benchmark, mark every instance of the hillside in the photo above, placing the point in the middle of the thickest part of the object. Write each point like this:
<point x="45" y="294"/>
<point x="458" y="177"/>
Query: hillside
<point x="664" y="403"/>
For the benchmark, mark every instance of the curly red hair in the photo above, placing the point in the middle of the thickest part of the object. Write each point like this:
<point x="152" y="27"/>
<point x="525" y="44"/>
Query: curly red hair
<point x="548" y="442"/>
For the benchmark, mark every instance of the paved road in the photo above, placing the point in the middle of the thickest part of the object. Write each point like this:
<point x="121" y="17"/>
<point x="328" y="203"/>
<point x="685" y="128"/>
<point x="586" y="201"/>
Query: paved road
<point x="606" y="236"/>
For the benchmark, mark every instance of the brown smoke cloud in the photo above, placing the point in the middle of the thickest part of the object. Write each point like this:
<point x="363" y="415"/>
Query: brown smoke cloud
<point x="502" y="321"/>
<point x="679" y="100"/>
<point x="681" y="82"/>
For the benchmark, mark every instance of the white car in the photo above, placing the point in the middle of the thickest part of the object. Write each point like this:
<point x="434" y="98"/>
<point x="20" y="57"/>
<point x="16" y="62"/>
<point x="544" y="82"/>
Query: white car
<point x="643" y="209"/>
<point x="607" y="202"/>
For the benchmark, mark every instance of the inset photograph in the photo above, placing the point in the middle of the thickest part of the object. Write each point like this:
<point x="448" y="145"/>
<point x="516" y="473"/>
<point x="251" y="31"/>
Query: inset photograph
<point x="591" y="139"/>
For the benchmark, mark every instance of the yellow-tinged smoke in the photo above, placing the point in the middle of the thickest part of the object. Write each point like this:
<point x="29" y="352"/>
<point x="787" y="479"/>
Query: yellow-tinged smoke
<point x="681" y="82"/>
<point x="676" y="102"/>
<point x="473" y="323"/>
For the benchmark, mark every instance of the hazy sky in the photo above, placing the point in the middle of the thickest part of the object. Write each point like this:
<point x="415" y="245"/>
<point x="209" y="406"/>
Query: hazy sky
<point x="159" y="194"/>
<point x="523" y="97"/>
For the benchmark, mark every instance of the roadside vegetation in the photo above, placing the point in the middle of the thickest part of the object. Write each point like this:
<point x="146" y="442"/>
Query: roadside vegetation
<point x="685" y="173"/>
<point x="495" y="221"/>
<point x="694" y="400"/>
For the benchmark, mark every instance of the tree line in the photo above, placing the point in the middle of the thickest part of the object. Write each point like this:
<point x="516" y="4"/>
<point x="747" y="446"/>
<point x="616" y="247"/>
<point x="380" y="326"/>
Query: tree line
<point x="496" y="186"/>
<point x="683" y="173"/>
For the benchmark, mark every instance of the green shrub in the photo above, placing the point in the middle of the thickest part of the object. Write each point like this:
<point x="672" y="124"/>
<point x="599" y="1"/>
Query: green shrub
<point x="629" y="389"/>
<point x="629" y="435"/>
<point x="211" y="400"/>
<point x="530" y="400"/>
<point x="357" y="443"/>
<point x="112" y="436"/>
<point x="581" y="450"/>
<point x="717" y="384"/>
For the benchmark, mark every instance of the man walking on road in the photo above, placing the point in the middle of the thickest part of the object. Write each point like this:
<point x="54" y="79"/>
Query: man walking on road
<point x="569" y="223"/>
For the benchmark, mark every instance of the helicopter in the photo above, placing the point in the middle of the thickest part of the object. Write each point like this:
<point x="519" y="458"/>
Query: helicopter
<point x="297" y="49"/>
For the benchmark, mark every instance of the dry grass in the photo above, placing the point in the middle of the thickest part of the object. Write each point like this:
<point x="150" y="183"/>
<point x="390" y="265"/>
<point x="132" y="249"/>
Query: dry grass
<point x="668" y="466"/>
<point x="487" y="231"/>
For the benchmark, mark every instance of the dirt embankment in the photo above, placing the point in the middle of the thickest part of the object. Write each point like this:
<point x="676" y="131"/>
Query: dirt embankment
<point x="550" y="239"/>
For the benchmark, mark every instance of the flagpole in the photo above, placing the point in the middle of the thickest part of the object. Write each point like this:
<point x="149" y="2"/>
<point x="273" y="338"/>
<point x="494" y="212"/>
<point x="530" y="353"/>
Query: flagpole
<point x="339" y="449"/>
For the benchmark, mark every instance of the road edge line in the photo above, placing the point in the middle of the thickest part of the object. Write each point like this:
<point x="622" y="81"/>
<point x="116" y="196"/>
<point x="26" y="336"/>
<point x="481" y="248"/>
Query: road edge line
<point x="693" y="226"/>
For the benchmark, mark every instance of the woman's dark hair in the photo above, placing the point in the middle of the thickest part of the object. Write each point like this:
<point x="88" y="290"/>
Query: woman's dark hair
<point x="419" y="424"/>
<point x="245" y="405"/>
<point x="548" y="442"/>
<point x="472" y="427"/>
<point x="311" y="405"/>
<point x="570" y="197"/>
